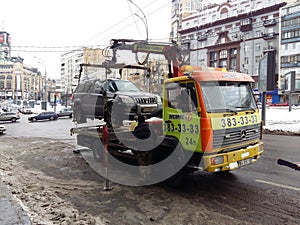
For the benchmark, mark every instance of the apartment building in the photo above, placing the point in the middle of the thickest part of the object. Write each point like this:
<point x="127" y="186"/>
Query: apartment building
<point x="70" y="62"/>
<point x="290" y="49"/>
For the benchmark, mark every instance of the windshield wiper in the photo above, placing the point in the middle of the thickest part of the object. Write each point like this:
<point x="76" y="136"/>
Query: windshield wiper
<point x="224" y="110"/>
<point x="247" y="108"/>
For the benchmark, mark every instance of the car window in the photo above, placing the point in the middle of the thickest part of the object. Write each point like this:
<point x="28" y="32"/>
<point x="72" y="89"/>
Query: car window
<point x="121" y="85"/>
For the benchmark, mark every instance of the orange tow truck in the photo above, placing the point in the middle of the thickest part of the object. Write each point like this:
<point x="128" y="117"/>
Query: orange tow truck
<point x="210" y="121"/>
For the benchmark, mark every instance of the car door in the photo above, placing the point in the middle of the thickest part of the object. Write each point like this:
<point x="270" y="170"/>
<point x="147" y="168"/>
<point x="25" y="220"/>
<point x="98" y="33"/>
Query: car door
<point x="81" y="97"/>
<point x="87" y="100"/>
<point x="41" y="116"/>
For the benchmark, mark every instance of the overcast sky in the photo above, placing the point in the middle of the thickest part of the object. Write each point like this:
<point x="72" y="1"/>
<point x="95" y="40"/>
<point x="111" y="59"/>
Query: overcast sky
<point x="46" y="29"/>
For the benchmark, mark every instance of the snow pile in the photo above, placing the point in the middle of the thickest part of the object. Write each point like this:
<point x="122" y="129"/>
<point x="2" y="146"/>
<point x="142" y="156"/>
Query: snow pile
<point x="280" y="119"/>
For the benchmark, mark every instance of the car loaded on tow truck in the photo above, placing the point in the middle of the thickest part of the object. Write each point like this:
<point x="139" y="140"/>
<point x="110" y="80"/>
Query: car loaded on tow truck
<point x="208" y="120"/>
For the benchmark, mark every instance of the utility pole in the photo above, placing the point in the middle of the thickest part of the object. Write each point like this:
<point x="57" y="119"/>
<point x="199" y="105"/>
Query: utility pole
<point x="44" y="104"/>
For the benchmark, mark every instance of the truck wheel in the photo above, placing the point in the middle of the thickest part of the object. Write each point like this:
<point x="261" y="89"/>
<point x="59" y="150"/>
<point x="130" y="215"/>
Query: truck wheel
<point x="98" y="149"/>
<point x="108" y="116"/>
<point x="176" y="180"/>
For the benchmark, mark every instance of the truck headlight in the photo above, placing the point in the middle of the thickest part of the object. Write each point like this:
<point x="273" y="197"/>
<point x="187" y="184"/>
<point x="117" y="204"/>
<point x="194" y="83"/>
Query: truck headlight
<point x="217" y="160"/>
<point x="125" y="99"/>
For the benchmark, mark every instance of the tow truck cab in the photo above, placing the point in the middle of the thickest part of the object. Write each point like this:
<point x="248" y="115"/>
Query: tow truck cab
<point x="214" y="114"/>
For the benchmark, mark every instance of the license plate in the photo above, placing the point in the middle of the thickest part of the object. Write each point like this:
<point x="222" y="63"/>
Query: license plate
<point x="244" y="162"/>
<point x="147" y="110"/>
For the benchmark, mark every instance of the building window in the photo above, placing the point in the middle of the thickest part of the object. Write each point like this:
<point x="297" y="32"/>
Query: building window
<point x="223" y="54"/>
<point x="223" y="63"/>
<point x="213" y="59"/>
<point x="213" y="64"/>
<point x="233" y="52"/>
<point x="213" y="56"/>
<point x="246" y="60"/>
<point x="188" y="6"/>
<point x="258" y="33"/>
<point x="257" y="58"/>
<point x="233" y="64"/>
<point x="224" y="13"/>
<point x="270" y="45"/>
<point x="257" y="47"/>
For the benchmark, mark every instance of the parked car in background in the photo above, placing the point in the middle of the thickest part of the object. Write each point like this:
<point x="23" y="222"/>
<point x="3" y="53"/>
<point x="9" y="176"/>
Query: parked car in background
<point x="2" y="128"/>
<point x="65" y="112"/>
<point x="43" y="116"/>
<point x="9" y="116"/>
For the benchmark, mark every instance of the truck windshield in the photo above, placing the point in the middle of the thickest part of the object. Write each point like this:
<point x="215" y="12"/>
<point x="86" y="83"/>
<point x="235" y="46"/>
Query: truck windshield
<point x="227" y="96"/>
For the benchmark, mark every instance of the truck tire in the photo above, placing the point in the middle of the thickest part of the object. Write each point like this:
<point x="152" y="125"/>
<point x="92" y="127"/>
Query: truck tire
<point x="176" y="180"/>
<point x="111" y="118"/>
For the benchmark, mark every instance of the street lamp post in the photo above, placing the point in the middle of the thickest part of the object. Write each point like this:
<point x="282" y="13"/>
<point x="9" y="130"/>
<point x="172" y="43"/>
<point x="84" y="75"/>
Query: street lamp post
<point x="45" y="87"/>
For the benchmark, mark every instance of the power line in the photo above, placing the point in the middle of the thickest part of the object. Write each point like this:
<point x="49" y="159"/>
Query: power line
<point x="61" y="49"/>
<point x="125" y="19"/>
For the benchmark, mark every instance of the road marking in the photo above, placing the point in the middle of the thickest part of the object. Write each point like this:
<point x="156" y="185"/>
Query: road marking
<point x="278" y="185"/>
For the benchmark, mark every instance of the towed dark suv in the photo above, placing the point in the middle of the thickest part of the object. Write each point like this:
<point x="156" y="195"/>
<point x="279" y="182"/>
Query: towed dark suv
<point x="113" y="100"/>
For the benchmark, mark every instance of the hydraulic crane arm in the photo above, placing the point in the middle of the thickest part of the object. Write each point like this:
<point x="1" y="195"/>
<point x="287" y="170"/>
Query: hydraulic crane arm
<point x="172" y="52"/>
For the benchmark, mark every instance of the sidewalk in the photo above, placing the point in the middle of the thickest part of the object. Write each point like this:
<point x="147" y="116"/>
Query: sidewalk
<point x="11" y="212"/>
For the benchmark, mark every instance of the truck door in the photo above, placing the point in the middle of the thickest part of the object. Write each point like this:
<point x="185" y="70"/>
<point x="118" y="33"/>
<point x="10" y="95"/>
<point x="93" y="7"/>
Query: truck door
<point x="182" y="114"/>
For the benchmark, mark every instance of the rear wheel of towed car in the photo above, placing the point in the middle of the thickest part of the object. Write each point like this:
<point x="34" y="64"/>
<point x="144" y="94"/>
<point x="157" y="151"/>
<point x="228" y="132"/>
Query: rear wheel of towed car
<point x="111" y="118"/>
<point x="13" y="120"/>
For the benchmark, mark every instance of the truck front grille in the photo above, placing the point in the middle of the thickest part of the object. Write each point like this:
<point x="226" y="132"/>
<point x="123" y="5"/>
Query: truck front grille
<point x="235" y="136"/>
<point x="145" y="100"/>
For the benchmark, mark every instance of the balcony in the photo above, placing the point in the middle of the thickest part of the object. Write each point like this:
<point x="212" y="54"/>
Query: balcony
<point x="267" y="36"/>
<point x="269" y="23"/>
<point x="269" y="49"/>
<point x="186" y="41"/>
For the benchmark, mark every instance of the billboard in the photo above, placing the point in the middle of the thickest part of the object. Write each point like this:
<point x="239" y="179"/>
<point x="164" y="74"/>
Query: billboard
<point x="289" y="81"/>
<point x="266" y="72"/>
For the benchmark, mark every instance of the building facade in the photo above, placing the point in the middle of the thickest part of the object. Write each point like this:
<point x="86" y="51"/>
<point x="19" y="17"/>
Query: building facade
<point x="233" y="35"/>
<point x="70" y="65"/>
<point x="236" y="34"/>
<point x="18" y="81"/>
<point x="180" y="10"/>
<point x="290" y="49"/>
